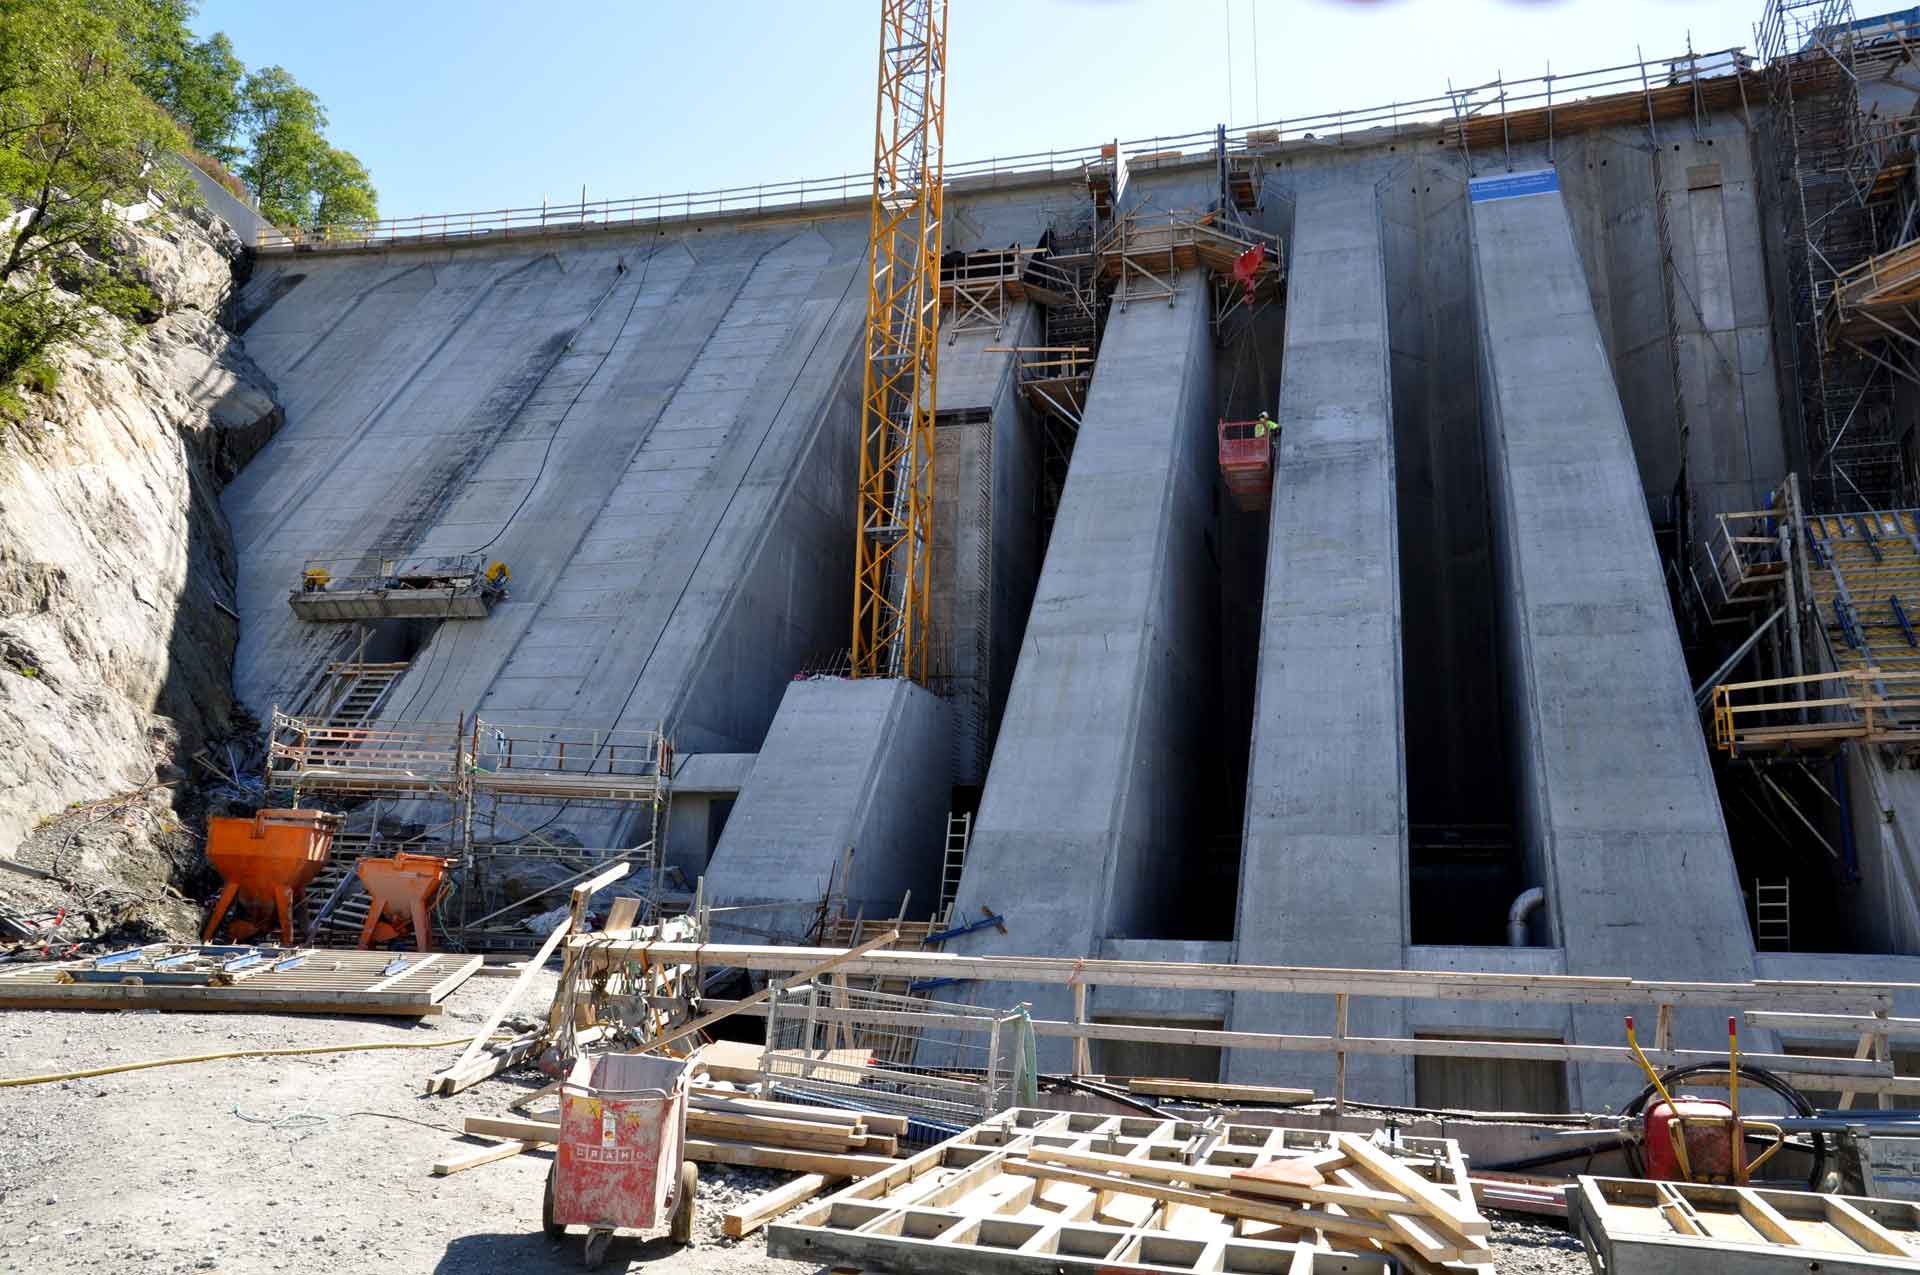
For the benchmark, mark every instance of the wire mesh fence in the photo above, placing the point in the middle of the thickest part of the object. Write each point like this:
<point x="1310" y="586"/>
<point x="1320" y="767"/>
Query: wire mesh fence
<point x="944" y="1066"/>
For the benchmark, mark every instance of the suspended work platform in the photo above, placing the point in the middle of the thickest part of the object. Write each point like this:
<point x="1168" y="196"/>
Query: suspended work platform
<point x="464" y="587"/>
<point x="1246" y="463"/>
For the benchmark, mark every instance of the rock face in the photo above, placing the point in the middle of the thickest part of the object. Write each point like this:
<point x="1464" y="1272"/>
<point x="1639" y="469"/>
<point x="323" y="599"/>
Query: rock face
<point x="116" y="564"/>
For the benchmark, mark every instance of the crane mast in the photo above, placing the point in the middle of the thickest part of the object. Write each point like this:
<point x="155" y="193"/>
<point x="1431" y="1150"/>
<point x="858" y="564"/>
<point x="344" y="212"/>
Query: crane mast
<point x="890" y="590"/>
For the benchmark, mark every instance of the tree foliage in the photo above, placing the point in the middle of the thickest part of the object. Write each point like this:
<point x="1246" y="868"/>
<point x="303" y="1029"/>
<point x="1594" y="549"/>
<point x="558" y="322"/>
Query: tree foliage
<point x="79" y="138"/>
<point x="94" y="95"/>
<point x="299" y="177"/>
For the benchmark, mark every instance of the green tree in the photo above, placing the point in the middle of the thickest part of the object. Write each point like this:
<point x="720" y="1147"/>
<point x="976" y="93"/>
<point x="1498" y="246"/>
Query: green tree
<point x="296" y="175"/>
<point x="78" y="138"/>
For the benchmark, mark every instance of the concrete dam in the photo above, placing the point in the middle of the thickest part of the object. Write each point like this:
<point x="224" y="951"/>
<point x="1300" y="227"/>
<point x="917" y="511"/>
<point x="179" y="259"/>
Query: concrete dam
<point x="1430" y="703"/>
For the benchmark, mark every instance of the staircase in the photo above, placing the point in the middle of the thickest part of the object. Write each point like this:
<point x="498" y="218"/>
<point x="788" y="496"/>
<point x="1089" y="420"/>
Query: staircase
<point x="351" y="692"/>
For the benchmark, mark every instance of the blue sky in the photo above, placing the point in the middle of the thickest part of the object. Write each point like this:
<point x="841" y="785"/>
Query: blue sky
<point x="477" y="105"/>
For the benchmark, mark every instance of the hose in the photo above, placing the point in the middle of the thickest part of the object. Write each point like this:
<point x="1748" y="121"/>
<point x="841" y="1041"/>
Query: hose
<point x="1755" y="1075"/>
<point x="293" y="1052"/>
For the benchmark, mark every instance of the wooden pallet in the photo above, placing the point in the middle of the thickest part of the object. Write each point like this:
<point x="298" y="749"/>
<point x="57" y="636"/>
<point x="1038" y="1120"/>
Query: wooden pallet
<point x="1648" y="1228"/>
<point x="328" y="982"/>
<point x="1031" y="1192"/>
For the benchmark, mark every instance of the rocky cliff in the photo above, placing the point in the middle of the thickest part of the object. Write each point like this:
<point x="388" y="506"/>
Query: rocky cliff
<point x="117" y="626"/>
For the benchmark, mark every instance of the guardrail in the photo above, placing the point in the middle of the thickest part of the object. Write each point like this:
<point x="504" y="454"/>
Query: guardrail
<point x="1329" y="127"/>
<point x="1817" y="710"/>
<point x="1852" y="1008"/>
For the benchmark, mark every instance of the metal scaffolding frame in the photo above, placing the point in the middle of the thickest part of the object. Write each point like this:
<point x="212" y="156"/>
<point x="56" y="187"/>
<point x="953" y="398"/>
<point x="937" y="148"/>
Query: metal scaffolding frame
<point x="1829" y="179"/>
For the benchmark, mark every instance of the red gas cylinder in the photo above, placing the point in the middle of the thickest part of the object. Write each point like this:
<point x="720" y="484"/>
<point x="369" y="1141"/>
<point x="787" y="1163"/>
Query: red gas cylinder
<point x="1708" y="1125"/>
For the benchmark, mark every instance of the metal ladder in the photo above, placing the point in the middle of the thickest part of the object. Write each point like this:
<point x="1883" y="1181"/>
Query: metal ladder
<point x="959" y="833"/>
<point x="1772" y="916"/>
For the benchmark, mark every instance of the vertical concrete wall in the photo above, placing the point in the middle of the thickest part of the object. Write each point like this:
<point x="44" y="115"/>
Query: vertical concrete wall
<point x="986" y="556"/>
<point x="1084" y="822"/>
<point x="1619" y="814"/>
<point x="856" y="764"/>
<point x="1323" y="865"/>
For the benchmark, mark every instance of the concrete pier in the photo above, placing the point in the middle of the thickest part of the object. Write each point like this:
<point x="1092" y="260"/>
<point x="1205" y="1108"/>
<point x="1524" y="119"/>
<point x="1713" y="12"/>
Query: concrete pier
<point x="846" y="764"/>
<point x="1084" y="819"/>
<point x="1323" y="867"/>
<point x="1617" y="809"/>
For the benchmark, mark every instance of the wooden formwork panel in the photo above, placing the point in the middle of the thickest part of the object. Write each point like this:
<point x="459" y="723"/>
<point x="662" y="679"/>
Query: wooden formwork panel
<point x="1015" y="1196"/>
<point x="326" y="982"/>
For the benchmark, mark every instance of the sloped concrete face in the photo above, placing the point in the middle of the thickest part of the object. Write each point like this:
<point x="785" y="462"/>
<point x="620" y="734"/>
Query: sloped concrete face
<point x="1084" y="818"/>
<point x="1323" y="865"/>
<point x="1616" y="801"/>
<point x="846" y="764"/>
<point x="654" y="431"/>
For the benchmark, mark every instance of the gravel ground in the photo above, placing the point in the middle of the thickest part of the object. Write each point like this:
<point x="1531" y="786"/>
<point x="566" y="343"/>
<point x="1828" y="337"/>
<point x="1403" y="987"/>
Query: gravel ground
<point x="315" y="1165"/>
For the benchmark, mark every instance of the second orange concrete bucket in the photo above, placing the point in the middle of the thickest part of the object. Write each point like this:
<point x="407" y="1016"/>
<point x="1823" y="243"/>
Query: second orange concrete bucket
<point x="403" y="890"/>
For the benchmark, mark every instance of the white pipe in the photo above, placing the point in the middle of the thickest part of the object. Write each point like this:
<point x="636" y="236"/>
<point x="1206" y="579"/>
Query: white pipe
<point x="1525" y="903"/>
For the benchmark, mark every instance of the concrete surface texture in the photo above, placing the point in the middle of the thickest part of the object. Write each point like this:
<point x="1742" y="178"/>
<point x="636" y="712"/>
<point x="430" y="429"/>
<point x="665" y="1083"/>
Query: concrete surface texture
<point x="1611" y="774"/>
<point x="1082" y="825"/>
<point x="653" y="431"/>
<point x="846" y="764"/>
<point x="1323" y="866"/>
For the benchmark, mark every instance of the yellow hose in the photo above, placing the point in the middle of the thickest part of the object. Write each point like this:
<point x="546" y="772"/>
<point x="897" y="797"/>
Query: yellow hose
<point x="238" y="1053"/>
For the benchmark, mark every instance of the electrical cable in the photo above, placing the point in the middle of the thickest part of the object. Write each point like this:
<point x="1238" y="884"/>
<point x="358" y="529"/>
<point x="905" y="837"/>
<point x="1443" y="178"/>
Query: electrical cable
<point x="293" y="1052"/>
<point x="640" y="287"/>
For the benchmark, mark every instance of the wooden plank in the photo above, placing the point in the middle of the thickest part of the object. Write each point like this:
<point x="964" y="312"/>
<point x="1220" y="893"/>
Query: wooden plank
<point x="1164" y="1087"/>
<point x="1863" y="1230"/>
<point x="413" y="967"/>
<point x="519" y="985"/>
<point x="762" y="1209"/>
<point x="714" y="1151"/>
<point x="484" y="1155"/>
<point x="1225" y="1205"/>
<point x="1242" y="1181"/>
<point x="767" y="1131"/>
<point x="523" y="1128"/>
<point x="1383" y="1168"/>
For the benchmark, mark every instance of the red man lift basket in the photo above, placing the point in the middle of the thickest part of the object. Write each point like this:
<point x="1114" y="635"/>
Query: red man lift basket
<point x="1246" y="464"/>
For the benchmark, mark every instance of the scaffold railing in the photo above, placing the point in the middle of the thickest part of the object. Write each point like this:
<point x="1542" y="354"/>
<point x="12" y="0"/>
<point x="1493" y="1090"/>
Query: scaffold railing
<point x="1818" y="711"/>
<point x="1719" y="76"/>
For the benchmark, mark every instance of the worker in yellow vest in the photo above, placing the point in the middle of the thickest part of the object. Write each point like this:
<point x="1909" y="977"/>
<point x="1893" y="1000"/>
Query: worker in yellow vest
<point x="1262" y="427"/>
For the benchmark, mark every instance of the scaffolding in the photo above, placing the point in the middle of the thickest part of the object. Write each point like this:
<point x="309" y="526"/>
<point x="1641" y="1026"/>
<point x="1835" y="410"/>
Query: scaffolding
<point x="470" y="791"/>
<point x="1837" y="187"/>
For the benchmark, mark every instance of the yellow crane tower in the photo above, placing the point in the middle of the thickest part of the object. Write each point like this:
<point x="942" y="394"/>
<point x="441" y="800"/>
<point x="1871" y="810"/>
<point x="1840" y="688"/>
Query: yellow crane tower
<point x="890" y="585"/>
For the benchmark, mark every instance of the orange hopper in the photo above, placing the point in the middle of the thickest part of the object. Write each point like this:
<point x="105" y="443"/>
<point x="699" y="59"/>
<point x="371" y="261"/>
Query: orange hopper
<point x="264" y="860"/>
<point x="403" y="890"/>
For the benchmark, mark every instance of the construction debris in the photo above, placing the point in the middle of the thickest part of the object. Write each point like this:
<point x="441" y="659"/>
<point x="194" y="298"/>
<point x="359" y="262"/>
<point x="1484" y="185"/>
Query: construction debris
<point x="1035" y="1190"/>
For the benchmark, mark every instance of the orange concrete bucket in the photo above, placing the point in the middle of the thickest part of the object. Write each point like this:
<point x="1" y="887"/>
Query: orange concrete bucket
<point x="264" y="860"/>
<point x="403" y="889"/>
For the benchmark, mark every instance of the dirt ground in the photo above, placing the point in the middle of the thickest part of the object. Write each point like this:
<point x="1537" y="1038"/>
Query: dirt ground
<point x="317" y="1165"/>
<point x="297" y="1165"/>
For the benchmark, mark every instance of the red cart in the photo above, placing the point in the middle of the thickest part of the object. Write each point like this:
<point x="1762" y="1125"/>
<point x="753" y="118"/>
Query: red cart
<point x="620" y="1161"/>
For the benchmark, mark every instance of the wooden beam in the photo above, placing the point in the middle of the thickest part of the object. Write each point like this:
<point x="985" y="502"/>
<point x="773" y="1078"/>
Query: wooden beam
<point x="762" y="1209"/>
<point x="804" y="976"/>
<point x="712" y="1151"/>
<point x="484" y="1155"/>
<point x="581" y="892"/>
<point x="1203" y="1092"/>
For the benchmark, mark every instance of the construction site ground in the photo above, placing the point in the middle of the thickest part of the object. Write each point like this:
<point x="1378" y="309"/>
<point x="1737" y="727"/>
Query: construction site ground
<point x="319" y="1164"/>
